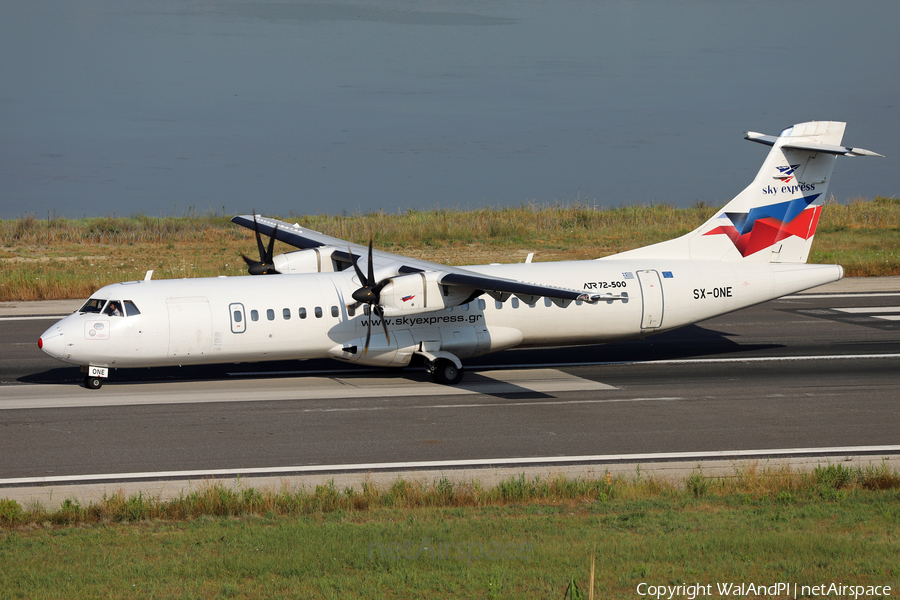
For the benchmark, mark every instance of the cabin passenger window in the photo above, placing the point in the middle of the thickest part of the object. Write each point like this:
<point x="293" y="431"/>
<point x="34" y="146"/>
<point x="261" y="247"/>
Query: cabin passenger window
<point x="286" y="314"/>
<point x="254" y="315"/>
<point x="578" y="303"/>
<point x="270" y="314"/>
<point x="465" y="306"/>
<point x="318" y="312"/>
<point x="114" y="309"/>
<point x="238" y="317"/>
<point x="498" y="305"/>
<point x="480" y="304"/>
<point x="548" y="302"/>
<point x="515" y="303"/>
<point x="351" y="311"/>
<point x="334" y="311"/>
<point x="130" y="309"/>
<point x="94" y="305"/>
<point x="302" y="312"/>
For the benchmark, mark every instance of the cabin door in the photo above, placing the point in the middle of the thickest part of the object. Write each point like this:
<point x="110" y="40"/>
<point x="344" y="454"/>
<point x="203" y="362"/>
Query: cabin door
<point x="651" y="290"/>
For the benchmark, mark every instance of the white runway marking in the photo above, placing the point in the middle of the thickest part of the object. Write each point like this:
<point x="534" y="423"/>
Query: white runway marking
<point x="689" y="361"/>
<point x="876" y="312"/>
<point x="773" y="359"/>
<point x="301" y="388"/>
<point x="40" y="318"/>
<point x="870" y="309"/>
<point x="447" y="464"/>
<point x="821" y="296"/>
<point x="492" y="404"/>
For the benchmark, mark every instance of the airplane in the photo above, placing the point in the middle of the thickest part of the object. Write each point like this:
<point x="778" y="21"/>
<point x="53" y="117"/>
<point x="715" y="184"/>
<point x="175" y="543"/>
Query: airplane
<point x="334" y="299"/>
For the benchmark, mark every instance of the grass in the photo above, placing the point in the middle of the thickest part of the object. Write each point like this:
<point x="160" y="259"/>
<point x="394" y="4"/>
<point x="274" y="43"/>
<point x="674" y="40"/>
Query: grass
<point x="70" y="258"/>
<point x="525" y="538"/>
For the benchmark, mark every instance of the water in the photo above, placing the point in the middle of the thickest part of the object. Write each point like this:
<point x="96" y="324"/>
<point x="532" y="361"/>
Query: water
<point x="155" y="106"/>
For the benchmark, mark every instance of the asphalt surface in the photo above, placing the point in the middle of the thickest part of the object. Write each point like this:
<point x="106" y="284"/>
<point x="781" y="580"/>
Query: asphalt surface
<point x="805" y="372"/>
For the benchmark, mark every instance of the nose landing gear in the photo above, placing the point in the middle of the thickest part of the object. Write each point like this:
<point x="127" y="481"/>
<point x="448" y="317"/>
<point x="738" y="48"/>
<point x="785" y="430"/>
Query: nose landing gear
<point x="92" y="383"/>
<point x="94" y="376"/>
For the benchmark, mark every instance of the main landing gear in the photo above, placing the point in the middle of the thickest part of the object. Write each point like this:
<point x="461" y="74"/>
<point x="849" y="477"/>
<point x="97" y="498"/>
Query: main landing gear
<point x="444" y="367"/>
<point x="444" y="371"/>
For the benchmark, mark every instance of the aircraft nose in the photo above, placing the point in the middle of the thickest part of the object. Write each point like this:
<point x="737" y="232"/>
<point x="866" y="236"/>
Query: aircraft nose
<point x="53" y="342"/>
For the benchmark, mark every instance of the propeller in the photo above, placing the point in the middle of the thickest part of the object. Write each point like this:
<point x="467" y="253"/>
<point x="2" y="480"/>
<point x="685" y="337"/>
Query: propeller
<point x="263" y="266"/>
<point x="369" y="293"/>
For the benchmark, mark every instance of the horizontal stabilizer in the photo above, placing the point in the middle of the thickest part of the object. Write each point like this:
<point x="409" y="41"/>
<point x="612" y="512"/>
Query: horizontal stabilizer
<point x="769" y="140"/>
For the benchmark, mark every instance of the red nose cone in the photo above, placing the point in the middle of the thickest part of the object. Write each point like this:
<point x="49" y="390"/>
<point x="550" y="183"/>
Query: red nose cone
<point x="41" y="343"/>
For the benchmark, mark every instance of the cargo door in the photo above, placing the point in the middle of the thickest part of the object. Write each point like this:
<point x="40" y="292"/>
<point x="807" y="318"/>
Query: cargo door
<point x="190" y="326"/>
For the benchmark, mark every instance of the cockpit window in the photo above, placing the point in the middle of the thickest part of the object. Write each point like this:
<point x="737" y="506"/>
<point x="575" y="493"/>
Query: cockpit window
<point x="94" y="305"/>
<point x="113" y="309"/>
<point x="130" y="309"/>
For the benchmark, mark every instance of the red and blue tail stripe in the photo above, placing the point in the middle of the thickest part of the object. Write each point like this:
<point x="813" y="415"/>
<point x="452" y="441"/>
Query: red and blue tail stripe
<point x="765" y="226"/>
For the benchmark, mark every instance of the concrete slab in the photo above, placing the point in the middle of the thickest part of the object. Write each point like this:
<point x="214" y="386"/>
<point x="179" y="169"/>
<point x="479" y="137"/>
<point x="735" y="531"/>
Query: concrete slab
<point x="299" y="388"/>
<point x="857" y="285"/>
<point x="39" y="307"/>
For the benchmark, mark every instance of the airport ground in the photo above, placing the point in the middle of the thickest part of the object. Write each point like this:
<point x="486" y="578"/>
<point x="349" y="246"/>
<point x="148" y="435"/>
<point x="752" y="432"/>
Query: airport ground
<point x="805" y="380"/>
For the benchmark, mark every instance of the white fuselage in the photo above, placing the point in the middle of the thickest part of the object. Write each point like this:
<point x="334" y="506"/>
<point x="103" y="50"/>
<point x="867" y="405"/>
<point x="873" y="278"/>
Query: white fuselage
<point x="304" y="316"/>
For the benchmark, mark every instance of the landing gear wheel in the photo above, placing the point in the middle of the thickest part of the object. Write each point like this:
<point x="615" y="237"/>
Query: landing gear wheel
<point x="93" y="383"/>
<point x="445" y="372"/>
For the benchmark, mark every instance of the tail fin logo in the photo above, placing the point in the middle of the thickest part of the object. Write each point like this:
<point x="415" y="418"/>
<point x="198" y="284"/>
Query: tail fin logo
<point x="765" y="226"/>
<point x="787" y="173"/>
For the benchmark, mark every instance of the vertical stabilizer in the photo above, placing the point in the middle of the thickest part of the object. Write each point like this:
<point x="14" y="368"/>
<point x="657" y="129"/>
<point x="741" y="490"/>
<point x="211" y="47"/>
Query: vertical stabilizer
<point x="775" y="217"/>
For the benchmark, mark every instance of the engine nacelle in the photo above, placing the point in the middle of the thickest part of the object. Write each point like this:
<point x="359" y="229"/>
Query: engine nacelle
<point x="312" y="260"/>
<point x="420" y="292"/>
<point x="381" y="353"/>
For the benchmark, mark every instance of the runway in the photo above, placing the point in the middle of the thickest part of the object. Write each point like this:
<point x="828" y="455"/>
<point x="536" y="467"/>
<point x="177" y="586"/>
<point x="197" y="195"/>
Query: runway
<point x="794" y="375"/>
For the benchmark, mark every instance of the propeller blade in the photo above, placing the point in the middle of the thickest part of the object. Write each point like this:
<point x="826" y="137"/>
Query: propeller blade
<point x="259" y="244"/>
<point x="270" y="251"/>
<point x="380" y="312"/>
<point x="263" y="266"/>
<point x="368" y="335"/>
<point x="371" y="265"/>
<point x="362" y="278"/>
<point x="369" y="295"/>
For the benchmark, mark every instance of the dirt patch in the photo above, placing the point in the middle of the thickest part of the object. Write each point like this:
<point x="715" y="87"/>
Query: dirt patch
<point x="47" y="259"/>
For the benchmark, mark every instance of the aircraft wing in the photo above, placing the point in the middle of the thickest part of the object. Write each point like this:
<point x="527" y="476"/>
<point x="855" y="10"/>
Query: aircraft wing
<point x="498" y="287"/>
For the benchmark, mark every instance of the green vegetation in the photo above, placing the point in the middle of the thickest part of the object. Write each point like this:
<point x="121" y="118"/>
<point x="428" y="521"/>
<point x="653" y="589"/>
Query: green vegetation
<point x="523" y="538"/>
<point x="70" y="258"/>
